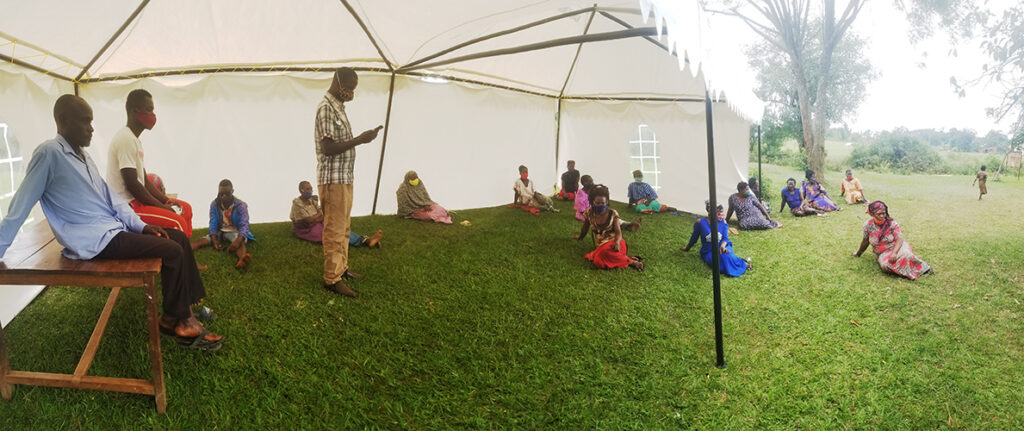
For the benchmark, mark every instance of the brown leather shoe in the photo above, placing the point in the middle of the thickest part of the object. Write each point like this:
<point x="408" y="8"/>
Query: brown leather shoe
<point x="349" y="275"/>
<point x="341" y="289"/>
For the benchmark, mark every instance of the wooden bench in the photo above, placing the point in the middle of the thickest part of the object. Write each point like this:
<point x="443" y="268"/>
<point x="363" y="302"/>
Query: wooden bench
<point x="35" y="259"/>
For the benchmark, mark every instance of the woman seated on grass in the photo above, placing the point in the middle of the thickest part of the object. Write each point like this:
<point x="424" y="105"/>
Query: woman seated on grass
<point x="852" y="190"/>
<point x="414" y="201"/>
<point x="749" y="211"/>
<point x="527" y="196"/>
<point x="729" y="263"/>
<point x="583" y="196"/>
<point x="816" y="195"/>
<point x="583" y="202"/>
<point x="611" y="248"/>
<point x="791" y="197"/>
<point x="308" y="220"/>
<point x="886" y="240"/>
<point x="755" y="189"/>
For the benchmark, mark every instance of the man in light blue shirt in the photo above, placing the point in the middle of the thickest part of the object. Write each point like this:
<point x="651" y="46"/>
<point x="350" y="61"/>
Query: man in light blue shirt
<point x="642" y="196"/>
<point x="91" y="221"/>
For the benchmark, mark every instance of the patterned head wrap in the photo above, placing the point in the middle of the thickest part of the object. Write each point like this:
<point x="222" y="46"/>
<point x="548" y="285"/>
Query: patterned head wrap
<point x="877" y="205"/>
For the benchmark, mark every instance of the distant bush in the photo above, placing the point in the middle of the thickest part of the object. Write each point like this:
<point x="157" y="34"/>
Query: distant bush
<point x="901" y="154"/>
<point x="968" y="164"/>
<point x="837" y="165"/>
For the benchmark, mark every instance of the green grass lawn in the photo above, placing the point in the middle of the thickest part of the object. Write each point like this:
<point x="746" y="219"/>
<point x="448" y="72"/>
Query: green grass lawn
<point x="503" y="324"/>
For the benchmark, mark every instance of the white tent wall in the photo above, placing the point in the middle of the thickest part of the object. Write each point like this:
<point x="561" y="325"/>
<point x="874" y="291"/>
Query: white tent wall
<point x="464" y="140"/>
<point x="256" y="130"/>
<point x="27" y="109"/>
<point x="597" y="134"/>
<point x="466" y="143"/>
<point x="27" y="105"/>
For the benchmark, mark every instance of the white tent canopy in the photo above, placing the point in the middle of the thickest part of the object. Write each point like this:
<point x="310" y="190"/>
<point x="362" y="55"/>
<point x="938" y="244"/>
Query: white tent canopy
<point x="464" y="137"/>
<point x="236" y="85"/>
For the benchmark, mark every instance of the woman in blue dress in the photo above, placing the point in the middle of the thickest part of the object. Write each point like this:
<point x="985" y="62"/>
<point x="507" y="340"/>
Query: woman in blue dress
<point x="816" y="195"/>
<point x="730" y="264"/>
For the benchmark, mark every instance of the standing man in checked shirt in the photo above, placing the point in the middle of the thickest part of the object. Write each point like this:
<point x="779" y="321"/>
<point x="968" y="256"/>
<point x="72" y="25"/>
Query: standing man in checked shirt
<point x="336" y="156"/>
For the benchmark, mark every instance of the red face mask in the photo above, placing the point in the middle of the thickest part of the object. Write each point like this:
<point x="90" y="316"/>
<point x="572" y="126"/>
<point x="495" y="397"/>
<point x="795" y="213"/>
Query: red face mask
<point x="148" y="120"/>
<point x="346" y="95"/>
<point x="523" y="176"/>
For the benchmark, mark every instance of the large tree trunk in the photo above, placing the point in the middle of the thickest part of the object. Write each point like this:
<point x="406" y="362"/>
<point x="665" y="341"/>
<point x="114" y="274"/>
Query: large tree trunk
<point x="806" y="119"/>
<point x="807" y="124"/>
<point x="786" y="26"/>
<point x="816" y="153"/>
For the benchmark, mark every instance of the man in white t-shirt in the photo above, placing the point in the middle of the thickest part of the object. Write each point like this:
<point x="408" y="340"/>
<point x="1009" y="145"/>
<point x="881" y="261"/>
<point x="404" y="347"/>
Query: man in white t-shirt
<point x="126" y="173"/>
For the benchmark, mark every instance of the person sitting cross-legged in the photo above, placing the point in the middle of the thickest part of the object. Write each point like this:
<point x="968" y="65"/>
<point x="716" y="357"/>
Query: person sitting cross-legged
<point x="642" y="196"/>
<point x="229" y="222"/>
<point x="92" y="221"/>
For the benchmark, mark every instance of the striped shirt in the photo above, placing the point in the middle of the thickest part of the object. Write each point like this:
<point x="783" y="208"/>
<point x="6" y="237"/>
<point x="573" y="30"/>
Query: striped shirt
<point x="332" y="122"/>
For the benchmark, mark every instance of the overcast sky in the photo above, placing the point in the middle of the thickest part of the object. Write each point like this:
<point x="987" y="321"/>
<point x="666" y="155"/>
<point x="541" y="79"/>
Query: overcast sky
<point x="913" y="88"/>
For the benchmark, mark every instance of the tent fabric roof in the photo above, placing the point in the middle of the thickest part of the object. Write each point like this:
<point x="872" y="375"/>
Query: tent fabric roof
<point x="169" y="36"/>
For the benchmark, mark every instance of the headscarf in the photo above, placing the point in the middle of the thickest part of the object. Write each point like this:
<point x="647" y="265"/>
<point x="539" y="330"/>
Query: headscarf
<point x="707" y="207"/>
<point x="410" y="197"/>
<point x="875" y="206"/>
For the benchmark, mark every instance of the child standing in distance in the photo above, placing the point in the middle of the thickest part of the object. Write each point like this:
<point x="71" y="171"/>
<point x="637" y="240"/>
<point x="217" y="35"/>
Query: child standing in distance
<point x="981" y="178"/>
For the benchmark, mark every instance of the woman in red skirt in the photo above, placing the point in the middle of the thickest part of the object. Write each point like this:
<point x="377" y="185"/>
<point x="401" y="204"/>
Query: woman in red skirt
<point x="611" y="248"/>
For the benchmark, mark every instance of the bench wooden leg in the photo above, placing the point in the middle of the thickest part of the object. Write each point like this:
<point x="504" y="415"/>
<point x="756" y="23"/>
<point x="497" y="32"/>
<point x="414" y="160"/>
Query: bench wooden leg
<point x="154" y="346"/>
<point x="97" y="335"/>
<point x="6" y="389"/>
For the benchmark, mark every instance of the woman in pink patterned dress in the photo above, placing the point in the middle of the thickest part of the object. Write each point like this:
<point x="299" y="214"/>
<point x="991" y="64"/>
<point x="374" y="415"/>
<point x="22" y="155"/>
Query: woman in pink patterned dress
<point x="886" y="240"/>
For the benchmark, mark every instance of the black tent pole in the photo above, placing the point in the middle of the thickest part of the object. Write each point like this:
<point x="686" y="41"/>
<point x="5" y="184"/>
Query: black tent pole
<point x="716" y="257"/>
<point x="558" y="131"/>
<point x="760" y="183"/>
<point x="383" y="143"/>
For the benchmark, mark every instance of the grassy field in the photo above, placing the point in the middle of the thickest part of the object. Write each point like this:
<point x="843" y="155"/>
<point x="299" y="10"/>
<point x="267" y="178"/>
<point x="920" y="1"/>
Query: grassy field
<point x="503" y="324"/>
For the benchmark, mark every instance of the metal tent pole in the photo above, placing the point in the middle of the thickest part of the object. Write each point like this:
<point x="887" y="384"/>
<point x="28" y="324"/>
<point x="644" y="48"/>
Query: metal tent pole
<point x="760" y="183"/>
<point x="383" y="143"/>
<point x="716" y="257"/>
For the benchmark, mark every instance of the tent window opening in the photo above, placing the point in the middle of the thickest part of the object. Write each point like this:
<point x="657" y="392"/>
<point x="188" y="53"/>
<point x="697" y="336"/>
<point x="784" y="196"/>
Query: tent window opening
<point x="12" y="168"/>
<point x="643" y="155"/>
